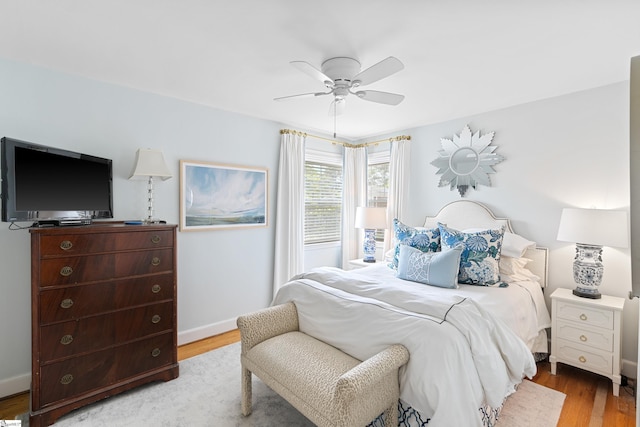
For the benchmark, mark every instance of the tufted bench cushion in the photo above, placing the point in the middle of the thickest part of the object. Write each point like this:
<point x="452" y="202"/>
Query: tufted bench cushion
<point x="326" y="385"/>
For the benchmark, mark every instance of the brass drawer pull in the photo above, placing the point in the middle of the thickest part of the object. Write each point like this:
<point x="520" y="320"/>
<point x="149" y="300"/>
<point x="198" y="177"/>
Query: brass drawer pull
<point x="155" y="352"/>
<point x="155" y="239"/>
<point x="65" y="245"/>
<point x="66" y="271"/>
<point x="66" y="303"/>
<point x="155" y="261"/>
<point x="156" y="288"/>
<point x="66" y="340"/>
<point x="583" y="338"/>
<point x="583" y="316"/>
<point x="156" y="319"/>
<point x="66" y="379"/>
<point x="582" y="359"/>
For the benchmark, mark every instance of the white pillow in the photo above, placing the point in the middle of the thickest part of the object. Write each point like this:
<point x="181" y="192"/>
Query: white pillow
<point x="514" y="245"/>
<point x="514" y="270"/>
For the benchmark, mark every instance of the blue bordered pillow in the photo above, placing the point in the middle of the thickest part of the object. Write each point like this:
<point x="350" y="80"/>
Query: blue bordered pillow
<point x="431" y="268"/>
<point x="479" y="262"/>
<point x="425" y="239"/>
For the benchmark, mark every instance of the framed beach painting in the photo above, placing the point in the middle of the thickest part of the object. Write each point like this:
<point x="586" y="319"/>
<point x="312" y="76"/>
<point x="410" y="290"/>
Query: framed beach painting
<point x="215" y="196"/>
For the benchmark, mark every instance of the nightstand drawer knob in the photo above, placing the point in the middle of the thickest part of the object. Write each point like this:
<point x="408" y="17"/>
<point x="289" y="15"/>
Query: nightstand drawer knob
<point x="156" y="319"/>
<point x="66" y="379"/>
<point x="66" y="303"/>
<point x="155" y="261"/>
<point x="65" y="245"/>
<point x="156" y="288"/>
<point x="583" y="316"/>
<point x="582" y="359"/>
<point x="583" y="338"/>
<point x="155" y="352"/>
<point x="66" y="340"/>
<point x="66" y="271"/>
<point x="155" y="239"/>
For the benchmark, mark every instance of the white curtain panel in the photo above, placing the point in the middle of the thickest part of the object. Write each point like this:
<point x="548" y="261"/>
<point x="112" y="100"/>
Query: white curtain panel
<point x="354" y="194"/>
<point x="399" y="165"/>
<point x="289" y="249"/>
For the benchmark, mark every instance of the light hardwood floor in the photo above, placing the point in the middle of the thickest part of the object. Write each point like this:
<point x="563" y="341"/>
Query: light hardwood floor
<point x="589" y="403"/>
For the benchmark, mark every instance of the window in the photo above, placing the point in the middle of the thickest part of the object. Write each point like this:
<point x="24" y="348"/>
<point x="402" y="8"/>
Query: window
<point x="322" y="198"/>
<point x="378" y="183"/>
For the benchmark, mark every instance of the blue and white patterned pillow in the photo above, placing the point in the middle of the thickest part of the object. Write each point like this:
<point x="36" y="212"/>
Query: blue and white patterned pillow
<point x="425" y="239"/>
<point x="431" y="268"/>
<point x="479" y="262"/>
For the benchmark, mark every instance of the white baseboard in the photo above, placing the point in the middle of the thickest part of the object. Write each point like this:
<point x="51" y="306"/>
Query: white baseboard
<point x="15" y="385"/>
<point x="206" y="331"/>
<point x="629" y="368"/>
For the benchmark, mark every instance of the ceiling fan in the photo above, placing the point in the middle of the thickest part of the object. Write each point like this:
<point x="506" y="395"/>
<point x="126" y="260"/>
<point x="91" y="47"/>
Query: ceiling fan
<point x="342" y="76"/>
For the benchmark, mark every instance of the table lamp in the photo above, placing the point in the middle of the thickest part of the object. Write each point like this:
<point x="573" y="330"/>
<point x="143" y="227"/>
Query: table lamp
<point x="371" y="219"/>
<point x="150" y="163"/>
<point x="590" y="230"/>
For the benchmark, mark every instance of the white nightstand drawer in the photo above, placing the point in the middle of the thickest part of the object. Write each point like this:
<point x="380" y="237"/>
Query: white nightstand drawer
<point x="583" y="357"/>
<point x="601" y="339"/>
<point x="585" y="315"/>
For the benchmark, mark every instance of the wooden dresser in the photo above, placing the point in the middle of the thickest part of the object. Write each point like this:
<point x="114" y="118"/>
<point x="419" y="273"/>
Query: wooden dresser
<point x="103" y="314"/>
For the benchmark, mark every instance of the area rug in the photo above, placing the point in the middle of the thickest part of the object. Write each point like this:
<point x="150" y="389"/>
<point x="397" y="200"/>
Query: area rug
<point x="207" y="394"/>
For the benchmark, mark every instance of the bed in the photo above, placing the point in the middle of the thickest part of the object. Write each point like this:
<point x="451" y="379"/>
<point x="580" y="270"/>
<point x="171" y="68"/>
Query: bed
<point x="470" y="345"/>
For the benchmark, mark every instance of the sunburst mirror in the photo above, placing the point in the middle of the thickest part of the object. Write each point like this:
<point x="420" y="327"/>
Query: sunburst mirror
<point x="466" y="160"/>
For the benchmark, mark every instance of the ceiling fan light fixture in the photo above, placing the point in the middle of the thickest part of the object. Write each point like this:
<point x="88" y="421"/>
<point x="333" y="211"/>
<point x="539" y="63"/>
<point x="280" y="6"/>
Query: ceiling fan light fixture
<point x="342" y="74"/>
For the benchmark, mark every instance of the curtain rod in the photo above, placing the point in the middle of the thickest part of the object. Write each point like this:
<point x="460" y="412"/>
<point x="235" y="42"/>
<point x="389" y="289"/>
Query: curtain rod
<point x="346" y="144"/>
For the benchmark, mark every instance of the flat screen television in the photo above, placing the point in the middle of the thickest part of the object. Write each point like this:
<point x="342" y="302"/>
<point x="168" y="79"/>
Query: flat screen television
<point x="51" y="186"/>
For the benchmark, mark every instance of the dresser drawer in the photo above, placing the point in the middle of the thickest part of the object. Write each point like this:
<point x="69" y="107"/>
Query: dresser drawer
<point x="585" y="315"/>
<point x="75" y="337"/>
<point x="144" y="262"/>
<point x="145" y="240"/>
<point x="76" y="376"/>
<point x="142" y="356"/>
<point x="143" y="321"/>
<point x="74" y="302"/>
<point x="598" y="338"/>
<point x="80" y="269"/>
<point x="144" y="290"/>
<point x="74" y="244"/>
<point x="584" y="357"/>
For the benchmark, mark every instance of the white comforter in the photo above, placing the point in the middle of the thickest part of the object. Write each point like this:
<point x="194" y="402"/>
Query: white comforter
<point x="462" y="357"/>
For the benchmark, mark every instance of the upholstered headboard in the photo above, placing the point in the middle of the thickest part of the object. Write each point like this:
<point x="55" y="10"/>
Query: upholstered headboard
<point x="465" y="214"/>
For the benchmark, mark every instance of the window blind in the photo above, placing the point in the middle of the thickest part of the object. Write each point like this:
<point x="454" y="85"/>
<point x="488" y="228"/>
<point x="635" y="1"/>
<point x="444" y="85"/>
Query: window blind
<point x="323" y="202"/>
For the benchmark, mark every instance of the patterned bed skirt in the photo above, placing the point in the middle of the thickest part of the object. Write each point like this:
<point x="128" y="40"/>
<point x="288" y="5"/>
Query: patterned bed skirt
<point x="409" y="417"/>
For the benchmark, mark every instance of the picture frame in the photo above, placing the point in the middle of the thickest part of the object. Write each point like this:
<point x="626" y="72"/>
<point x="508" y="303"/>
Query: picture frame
<point x="220" y="196"/>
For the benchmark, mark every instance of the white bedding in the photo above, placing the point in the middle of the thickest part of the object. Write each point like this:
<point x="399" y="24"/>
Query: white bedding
<point x="521" y="305"/>
<point x="462" y="356"/>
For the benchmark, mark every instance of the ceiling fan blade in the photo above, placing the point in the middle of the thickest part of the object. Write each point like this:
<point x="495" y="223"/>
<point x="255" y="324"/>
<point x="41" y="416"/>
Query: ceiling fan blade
<point x="380" y="97"/>
<point x="379" y="71"/>
<point x="312" y="71"/>
<point x="301" y="95"/>
<point x="337" y="107"/>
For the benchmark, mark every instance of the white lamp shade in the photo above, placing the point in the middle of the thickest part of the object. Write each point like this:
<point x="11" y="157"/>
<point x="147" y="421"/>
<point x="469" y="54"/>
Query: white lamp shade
<point x="371" y="218"/>
<point x="598" y="227"/>
<point x="150" y="163"/>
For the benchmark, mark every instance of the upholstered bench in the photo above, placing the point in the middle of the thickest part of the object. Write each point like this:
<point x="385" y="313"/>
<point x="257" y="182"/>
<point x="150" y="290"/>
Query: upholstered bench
<point x="327" y="386"/>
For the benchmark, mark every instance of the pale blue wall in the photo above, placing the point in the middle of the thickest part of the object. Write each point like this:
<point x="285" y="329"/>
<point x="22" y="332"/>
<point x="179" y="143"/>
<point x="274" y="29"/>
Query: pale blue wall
<point x="221" y="273"/>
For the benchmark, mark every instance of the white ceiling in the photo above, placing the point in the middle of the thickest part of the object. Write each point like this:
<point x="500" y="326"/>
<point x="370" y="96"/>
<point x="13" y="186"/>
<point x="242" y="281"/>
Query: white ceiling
<point x="461" y="57"/>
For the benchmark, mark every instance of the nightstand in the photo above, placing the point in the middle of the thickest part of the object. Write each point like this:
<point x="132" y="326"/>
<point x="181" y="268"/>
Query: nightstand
<point x="359" y="263"/>
<point x="586" y="333"/>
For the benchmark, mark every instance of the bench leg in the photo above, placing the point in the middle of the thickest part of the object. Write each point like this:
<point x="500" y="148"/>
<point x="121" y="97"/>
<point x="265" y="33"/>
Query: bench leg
<point x="246" y="392"/>
<point x="390" y="416"/>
